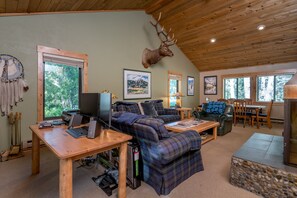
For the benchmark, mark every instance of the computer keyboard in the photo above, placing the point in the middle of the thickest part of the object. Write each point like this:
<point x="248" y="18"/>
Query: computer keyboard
<point x="77" y="132"/>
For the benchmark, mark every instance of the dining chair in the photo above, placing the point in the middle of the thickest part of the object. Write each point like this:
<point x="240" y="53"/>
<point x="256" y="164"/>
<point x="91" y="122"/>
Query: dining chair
<point x="263" y="118"/>
<point x="248" y="101"/>
<point x="240" y="111"/>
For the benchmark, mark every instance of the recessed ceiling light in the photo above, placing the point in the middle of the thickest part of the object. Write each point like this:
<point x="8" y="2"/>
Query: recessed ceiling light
<point x="261" y="27"/>
<point x="213" y="40"/>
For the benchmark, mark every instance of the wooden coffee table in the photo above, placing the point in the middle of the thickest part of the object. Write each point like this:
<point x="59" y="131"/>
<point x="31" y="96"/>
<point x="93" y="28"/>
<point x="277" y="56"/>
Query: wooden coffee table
<point x="199" y="127"/>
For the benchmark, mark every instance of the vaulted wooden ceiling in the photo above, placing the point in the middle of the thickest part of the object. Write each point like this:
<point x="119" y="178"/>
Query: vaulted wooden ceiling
<point x="232" y="22"/>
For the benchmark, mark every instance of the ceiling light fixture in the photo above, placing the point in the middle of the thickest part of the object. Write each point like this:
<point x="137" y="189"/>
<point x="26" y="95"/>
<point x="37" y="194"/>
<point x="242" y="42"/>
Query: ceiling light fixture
<point x="213" y="40"/>
<point x="261" y="27"/>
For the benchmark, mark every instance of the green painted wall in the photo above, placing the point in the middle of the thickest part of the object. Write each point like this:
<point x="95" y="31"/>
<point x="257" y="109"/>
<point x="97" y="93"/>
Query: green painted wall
<point x="113" y="41"/>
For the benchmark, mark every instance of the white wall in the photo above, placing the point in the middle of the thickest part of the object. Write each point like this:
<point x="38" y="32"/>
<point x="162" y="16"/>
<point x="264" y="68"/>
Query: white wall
<point x="112" y="40"/>
<point x="277" y="110"/>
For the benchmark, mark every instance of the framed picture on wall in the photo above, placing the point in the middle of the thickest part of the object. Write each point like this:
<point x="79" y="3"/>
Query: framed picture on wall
<point x="137" y="84"/>
<point x="190" y="83"/>
<point x="210" y="85"/>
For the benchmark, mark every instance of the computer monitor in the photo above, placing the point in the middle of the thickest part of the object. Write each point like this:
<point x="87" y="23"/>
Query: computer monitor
<point x="96" y="105"/>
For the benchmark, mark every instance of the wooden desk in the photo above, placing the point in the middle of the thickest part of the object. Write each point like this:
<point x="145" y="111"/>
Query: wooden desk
<point x="183" y="111"/>
<point x="68" y="149"/>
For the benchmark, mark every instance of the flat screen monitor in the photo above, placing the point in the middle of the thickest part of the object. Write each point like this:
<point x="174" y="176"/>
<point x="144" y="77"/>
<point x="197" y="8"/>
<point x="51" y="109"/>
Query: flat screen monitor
<point x="96" y="105"/>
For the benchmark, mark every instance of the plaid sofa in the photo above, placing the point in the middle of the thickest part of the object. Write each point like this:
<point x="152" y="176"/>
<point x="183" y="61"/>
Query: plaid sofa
<point x="165" y="114"/>
<point x="168" y="158"/>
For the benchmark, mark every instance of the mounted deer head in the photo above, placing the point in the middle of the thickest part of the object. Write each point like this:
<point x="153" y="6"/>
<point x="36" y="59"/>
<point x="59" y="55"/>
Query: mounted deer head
<point x="150" y="57"/>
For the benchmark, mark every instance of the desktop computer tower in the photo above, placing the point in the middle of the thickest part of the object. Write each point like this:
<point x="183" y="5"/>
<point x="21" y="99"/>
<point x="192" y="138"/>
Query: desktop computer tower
<point x="133" y="165"/>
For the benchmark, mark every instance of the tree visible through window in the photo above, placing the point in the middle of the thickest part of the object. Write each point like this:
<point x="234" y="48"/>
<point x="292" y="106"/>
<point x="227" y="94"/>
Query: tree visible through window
<point x="61" y="89"/>
<point x="238" y="88"/>
<point x="271" y="87"/>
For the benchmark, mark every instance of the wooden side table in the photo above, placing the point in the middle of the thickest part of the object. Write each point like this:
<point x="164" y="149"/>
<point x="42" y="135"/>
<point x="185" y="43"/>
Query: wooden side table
<point x="183" y="110"/>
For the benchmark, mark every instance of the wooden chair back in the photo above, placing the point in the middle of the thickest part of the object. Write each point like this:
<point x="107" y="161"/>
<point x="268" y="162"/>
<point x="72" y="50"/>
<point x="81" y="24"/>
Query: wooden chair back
<point x="239" y="108"/>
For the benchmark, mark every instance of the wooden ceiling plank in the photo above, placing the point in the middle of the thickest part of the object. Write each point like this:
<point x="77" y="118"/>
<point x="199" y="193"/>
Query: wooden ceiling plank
<point x="156" y="5"/>
<point x="11" y="6"/>
<point x="33" y="6"/>
<point x="23" y="6"/>
<point x="44" y="6"/>
<point x="2" y="6"/>
<point x="77" y="5"/>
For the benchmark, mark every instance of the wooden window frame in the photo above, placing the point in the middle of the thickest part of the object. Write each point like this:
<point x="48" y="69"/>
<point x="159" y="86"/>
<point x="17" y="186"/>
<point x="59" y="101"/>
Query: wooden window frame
<point x="253" y="77"/>
<point x="41" y="50"/>
<point x="179" y="84"/>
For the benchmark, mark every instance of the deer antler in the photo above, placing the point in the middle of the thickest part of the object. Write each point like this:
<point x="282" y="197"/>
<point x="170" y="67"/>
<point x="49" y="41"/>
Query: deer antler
<point x="168" y="40"/>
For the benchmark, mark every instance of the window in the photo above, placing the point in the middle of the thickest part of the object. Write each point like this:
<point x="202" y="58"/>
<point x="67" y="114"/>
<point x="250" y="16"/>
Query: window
<point x="271" y="87"/>
<point x="61" y="89"/>
<point x="62" y="76"/>
<point x="239" y="88"/>
<point x="174" y="88"/>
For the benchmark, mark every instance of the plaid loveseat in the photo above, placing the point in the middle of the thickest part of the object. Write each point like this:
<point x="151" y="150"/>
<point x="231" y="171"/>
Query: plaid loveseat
<point x="168" y="158"/>
<point x="165" y="114"/>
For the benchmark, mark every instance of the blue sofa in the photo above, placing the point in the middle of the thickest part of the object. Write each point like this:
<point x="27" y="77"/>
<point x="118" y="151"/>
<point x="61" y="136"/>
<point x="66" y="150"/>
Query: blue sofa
<point x="168" y="158"/>
<point x="165" y="114"/>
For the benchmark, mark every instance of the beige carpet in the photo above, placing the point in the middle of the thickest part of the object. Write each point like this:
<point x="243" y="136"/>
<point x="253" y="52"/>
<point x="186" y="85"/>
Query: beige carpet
<point x="213" y="182"/>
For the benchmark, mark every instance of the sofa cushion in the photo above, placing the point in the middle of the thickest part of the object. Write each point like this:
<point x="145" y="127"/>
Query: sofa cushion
<point x="216" y="107"/>
<point x="156" y="124"/>
<point x="121" y="108"/>
<point x="169" y="118"/>
<point x="149" y="109"/>
<point x="133" y="108"/>
<point x="158" y="104"/>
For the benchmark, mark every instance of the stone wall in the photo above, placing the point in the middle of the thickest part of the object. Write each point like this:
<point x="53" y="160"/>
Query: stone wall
<point x="263" y="180"/>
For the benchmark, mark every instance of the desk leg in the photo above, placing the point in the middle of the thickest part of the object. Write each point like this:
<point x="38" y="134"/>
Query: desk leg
<point x="122" y="171"/>
<point x="65" y="178"/>
<point x="35" y="154"/>
<point x="215" y="132"/>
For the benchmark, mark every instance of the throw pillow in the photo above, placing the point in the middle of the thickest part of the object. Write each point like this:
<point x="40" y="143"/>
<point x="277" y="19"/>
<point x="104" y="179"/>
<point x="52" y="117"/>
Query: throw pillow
<point x="159" y="107"/>
<point x="133" y="108"/>
<point x="149" y="109"/>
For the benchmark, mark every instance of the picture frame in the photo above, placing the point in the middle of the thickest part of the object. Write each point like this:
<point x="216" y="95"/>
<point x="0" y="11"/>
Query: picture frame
<point x="190" y="85"/>
<point x="137" y="84"/>
<point x="210" y="85"/>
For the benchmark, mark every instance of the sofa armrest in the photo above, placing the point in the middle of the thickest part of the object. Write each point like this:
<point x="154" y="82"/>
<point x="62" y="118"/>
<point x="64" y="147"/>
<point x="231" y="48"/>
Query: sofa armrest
<point x="174" y="147"/>
<point x="225" y="117"/>
<point x="169" y="111"/>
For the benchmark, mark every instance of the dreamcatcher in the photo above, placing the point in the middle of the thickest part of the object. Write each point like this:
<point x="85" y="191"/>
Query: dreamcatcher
<point x="12" y="83"/>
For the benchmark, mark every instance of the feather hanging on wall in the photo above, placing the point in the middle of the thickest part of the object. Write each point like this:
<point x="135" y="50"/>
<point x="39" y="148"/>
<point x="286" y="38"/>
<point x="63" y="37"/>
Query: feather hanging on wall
<point x="12" y="83"/>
